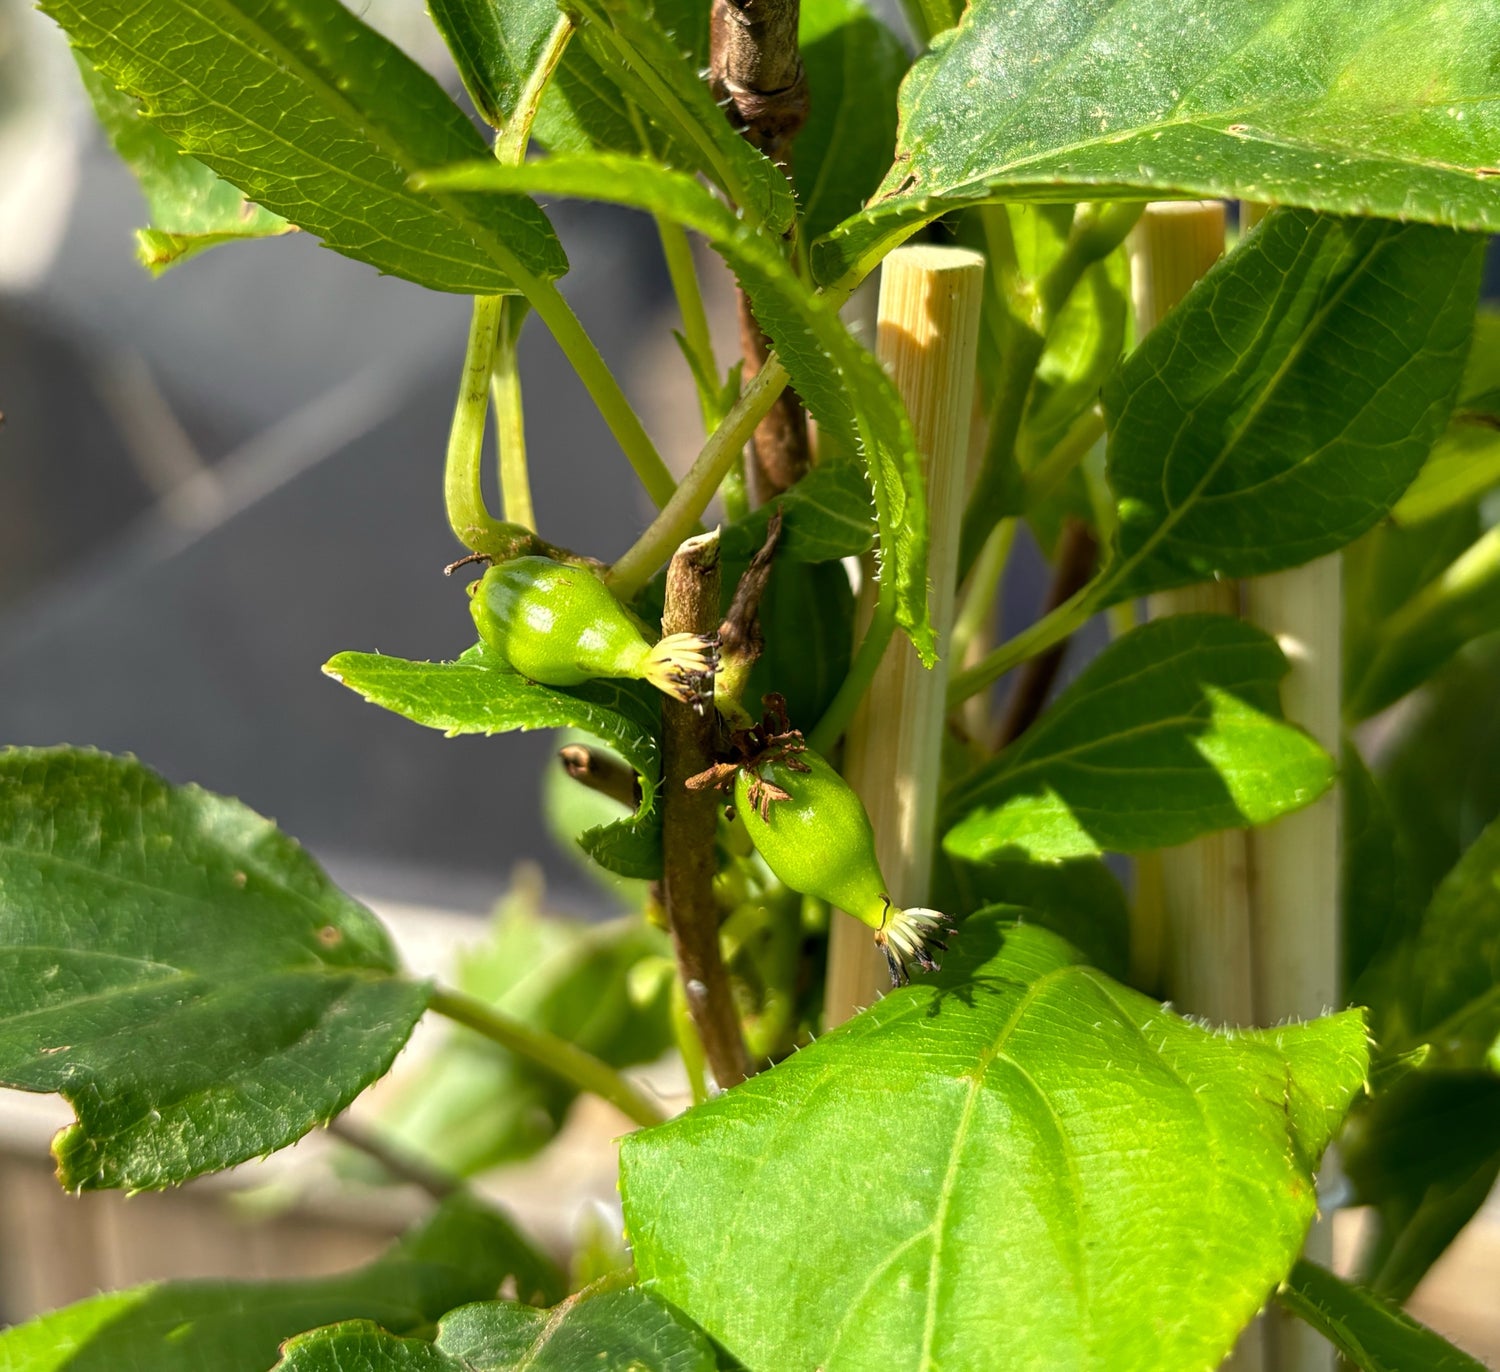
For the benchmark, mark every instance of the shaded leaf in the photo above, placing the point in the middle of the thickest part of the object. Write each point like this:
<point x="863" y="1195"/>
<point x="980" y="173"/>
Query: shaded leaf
<point x="1379" y="909"/>
<point x="474" y="1104"/>
<point x="845" y="388"/>
<point x="1284" y="406"/>
<point x="854" y="66"/>
<point x="807" y="619"/>
<point x="1173" y="731"/>
<point x="1015" y="1134"/>
<point x="1373" y="1334"/>
<point x="1425" y="1154"/>
<point x="182" y="973"/>
<point x="1348" y="106"/>
<point x="1441" y="984"/>
<point x="321" y="120"/>
<point x="461" y="1254"/>
<point x="479" y="695"/>
<point x="191" y="208"/>
<point x="614" y="1329"/>
<point x="827" y="515"/>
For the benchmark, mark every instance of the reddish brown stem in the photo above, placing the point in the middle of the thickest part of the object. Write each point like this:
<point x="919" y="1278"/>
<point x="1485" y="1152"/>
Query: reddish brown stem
<point x="689" y="821"/>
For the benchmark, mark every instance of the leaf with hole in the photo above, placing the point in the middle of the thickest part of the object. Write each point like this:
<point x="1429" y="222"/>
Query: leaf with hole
<point x="462" y="1253"/>
<point x="1375" y="107"/>
<point x="181" y="972"/>
<point x="318" y="118"/>
<point x="1014" y="1134"/>
<point x="1283" y="407"/>
<point x="1175" y="730"/>
<point x="480" y="694"/>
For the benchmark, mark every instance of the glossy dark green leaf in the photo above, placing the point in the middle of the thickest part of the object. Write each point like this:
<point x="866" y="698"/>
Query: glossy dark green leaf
<point x="474" y="1104"/>
<point x="318" y="118"/>
<point x="1465" y="462"/>
<point x="181" y="972"/>
<point x="854" y="67"/>
<point x="586" y="1333"/>
<point x="479" y="695"/>
<point x="825" y="516"/>
<point x="1175" y="730"/>
<point x="1373" y="1334"/>
<point x="191" y="208"/>
<point x="462" y="1254"/>
<point x="495" y="47"/>
<point x="1425" y="1154"/>
<point x="845" y="388"/>
<point x="1014" y="1163"/>
<point x="1284" y="406"/>
<point x="1348" y="106"/>
<point x="1441" y="984"/>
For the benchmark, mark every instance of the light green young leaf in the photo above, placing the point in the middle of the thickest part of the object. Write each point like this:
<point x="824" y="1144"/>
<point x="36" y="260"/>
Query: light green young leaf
<point x="318" y="118"/>
<point x="1441" y="984"/>
<point x="1425" y="1153"/>
<point x="662" y="83"/>
<point x="463" y="1253"/>
<point x="1347" y="106"/>
<point x="1373" y="1334"/>
<point x="588" y="1332"/>
<point x="474" y="1104"/>
<point x="1284" y="406"/>
<point x="1465" y="463"/>
<point x="478" y="694"/>
<point x="843" y="385"/>
<point x="854" y="67"/>
<point x="191" y="208"/>
<point x="1175" y="730"/>
<point x="1014" y="1163"/>
<point x="181" y="972"/>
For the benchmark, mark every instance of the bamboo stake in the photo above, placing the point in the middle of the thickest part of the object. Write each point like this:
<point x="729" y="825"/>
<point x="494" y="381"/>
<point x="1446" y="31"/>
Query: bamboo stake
<point x="1295" y="864"/>
<point x="1194" y="912"/>
<point x="928" y="339"/>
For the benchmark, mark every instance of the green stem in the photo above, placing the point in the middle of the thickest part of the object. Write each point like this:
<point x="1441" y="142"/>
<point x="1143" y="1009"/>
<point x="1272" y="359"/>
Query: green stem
<point x="510" y="146"/>
<point x="563" y="1059"/>
<point x="983" y="590"/>
<point x="683" y="272"/>
<point x="510" y="416"/>
<point x="1050" y="473"/>
<point x="1046" y="633"/>
<point x="861" y="673"/>
<point x="681" y="513"/>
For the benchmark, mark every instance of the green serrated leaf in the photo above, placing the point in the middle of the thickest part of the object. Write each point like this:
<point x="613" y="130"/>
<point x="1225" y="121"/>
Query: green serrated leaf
<point x="662" y="83"/>
<point x="826" y="516"/>
<point x="182" y="973"/>
<point x="474" y="1104"/>
<point x="843" y="385"/>
<point x="1373" y="1334"/>
<point x="321" y="120"/>
<point x="1425" y="1153"/>
<point x="625" y="1329"/>
<point x="1175" y="730"/>
<point x="854" y="66"/>
<point x="494" y="47"/>
<point x="191" y="208"/>
<point x="461" y="1254"/>
<point x="477" y="695"/>
<point x="1347" y="106"/>
<point x="1017" y="1135"/>
<point x="1284" y="406"/>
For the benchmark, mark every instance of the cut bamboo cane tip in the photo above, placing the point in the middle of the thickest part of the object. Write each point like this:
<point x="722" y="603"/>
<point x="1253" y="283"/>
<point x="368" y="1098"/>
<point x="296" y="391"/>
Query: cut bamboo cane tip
<point x="1174" y="243"/>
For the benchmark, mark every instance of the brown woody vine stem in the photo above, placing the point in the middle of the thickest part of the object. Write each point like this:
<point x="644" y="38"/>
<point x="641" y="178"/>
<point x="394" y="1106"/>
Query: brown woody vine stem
<point x="689" y="820"/>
